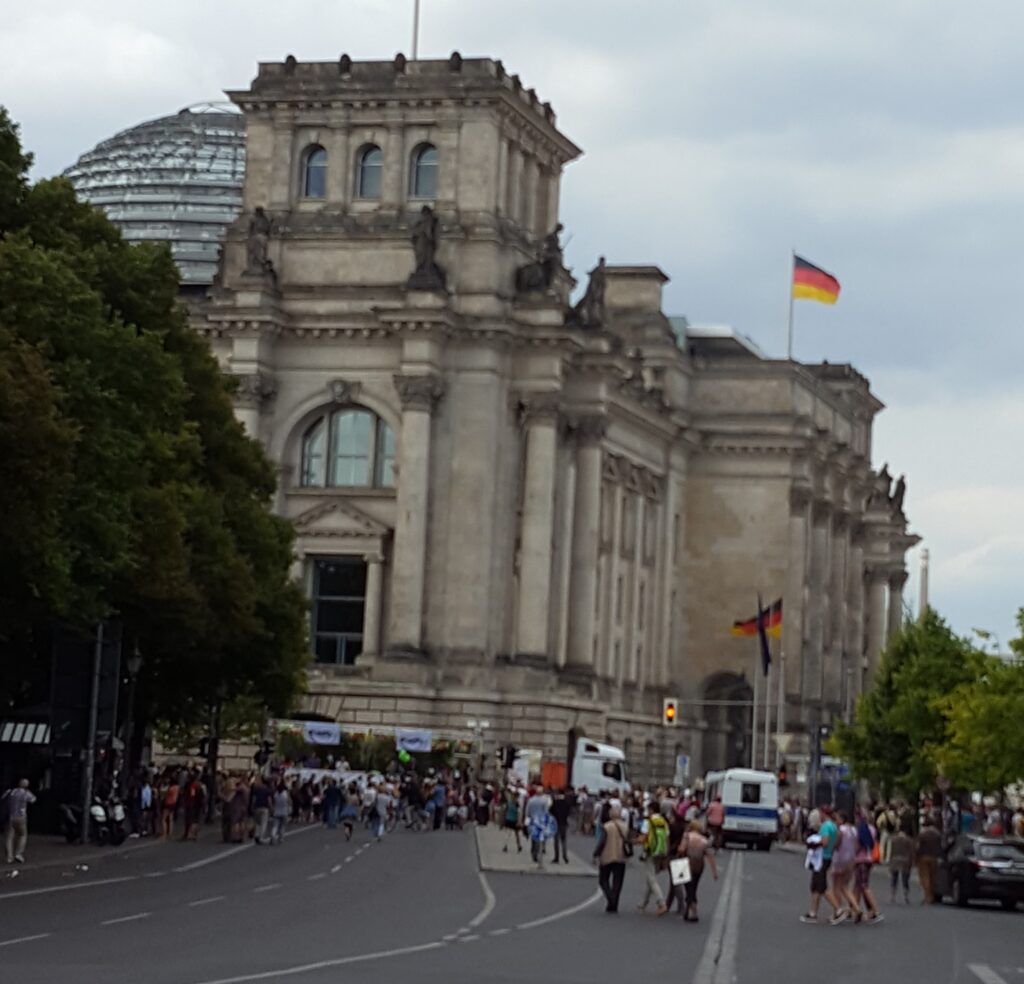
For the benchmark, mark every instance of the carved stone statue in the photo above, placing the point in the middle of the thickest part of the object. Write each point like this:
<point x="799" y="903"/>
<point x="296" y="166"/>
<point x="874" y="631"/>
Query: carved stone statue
<point x="900" y="493"/>
<point x="885" y="481"/>
<point x="590" y="312"/>
<point x="256" y="244"/>
<point x="540" y="274"/>
<point x="425" y="236"/>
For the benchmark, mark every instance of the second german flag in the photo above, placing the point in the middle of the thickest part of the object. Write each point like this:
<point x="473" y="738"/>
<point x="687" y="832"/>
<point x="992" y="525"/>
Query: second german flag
<point x="811" y="283"/>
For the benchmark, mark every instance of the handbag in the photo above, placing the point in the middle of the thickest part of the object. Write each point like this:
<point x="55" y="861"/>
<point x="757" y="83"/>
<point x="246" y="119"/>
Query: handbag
<point x="679" y="871"/>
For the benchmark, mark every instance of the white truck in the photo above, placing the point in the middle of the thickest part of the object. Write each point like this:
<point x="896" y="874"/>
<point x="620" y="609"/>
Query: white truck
<point x="751" y="801"/>
<point x="594" y="764"/>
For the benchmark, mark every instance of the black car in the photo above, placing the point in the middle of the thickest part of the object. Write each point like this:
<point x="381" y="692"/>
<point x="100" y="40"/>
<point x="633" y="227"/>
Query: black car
<point x="981" y="867"/>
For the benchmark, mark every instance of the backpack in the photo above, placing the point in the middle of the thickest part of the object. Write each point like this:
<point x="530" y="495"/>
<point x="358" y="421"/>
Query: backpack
<point x="657" y="837"/>
<point x="512" y="811"/>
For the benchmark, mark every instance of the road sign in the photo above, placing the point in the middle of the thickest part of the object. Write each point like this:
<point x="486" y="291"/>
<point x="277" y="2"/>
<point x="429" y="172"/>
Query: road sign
<point x="682" y="769"/>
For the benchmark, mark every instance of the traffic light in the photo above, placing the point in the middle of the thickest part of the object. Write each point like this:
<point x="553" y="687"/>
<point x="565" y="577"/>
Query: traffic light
<point x="669" y="712"/>
<point x="510" y="756"/>
<point x="783" y="776"/>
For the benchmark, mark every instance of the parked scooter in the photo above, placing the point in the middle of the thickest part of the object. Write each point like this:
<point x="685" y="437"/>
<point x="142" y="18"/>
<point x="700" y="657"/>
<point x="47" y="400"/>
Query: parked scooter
<point x="103" y="829"/>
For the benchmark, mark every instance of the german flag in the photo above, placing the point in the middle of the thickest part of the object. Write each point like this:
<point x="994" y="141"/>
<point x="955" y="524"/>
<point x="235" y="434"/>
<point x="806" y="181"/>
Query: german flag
<point x="811" y="283"/>
<point x="772" y="623"/>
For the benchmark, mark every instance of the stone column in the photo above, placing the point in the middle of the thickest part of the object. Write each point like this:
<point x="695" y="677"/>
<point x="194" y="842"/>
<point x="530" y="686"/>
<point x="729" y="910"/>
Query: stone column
<point x="817" y="603"/>
<point x="835" y="649"/>
<point x="537" y="525"/>
<point x="794" y="610"/>
<point x="373" y="605"/>
<point x="611" y="633"/>
<point x="585" y="543"/>
<point x="565" y="549"/>
<point x="895" y="619"/>
<point x="418" y="394"/>
<point x="876" y="627"/>
<point x="855" y="612"/>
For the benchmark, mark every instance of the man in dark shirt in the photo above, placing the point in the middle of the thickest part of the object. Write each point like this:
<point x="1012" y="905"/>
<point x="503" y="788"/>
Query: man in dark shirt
<point x="260" y="803"/>
<point x="928" y="849"/>
<point x="561" y="807"/>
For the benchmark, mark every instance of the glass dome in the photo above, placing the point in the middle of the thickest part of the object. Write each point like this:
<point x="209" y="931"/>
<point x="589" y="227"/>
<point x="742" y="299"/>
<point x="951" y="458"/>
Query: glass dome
<point x="177" y="179"/>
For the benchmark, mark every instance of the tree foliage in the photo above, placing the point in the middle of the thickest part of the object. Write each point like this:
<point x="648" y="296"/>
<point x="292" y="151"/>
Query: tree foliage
<point x="983" y="749"/>
<point x="901" y="726"/>
<point x="127" y="487"/>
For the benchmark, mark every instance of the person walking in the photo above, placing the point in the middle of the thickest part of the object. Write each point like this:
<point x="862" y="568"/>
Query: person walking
<point x="654" y="840"/>
<point x="282" y="808"/>
<point x="538" y="822"/>
<point x="901" y="860"/>
<point x="17" y="800"/>
<point x="332" y="804"/>
<point x="927" y="851"/>
<point x="561" y="808"/>
<point x="716" y="818"/>
<point x="844" y="860"/>
<point x="169" y="807"/>
<point x="195" y="799"/>
<point x="821" y="845"/>
<point x="867" y="844"/>
<point x="610" y="853"/>
<point x="350" y="810"/>
<point x="511" y="818"/>
<point x="262" y="799"/>
<point x="695" y="847"/>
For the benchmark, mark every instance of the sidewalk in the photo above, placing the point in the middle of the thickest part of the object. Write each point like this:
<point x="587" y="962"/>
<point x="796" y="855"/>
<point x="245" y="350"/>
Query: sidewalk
<point x="51" y="851"/>
<point x="490" y="840"/>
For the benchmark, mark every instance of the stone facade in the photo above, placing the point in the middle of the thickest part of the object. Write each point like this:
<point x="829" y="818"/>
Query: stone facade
<point x="540" y="516"/>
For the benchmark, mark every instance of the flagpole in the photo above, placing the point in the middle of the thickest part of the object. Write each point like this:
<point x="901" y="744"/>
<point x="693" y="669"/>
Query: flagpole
<point x="792" y="264"/>
<point x="415" y="29"/>
<point x="780" y="714"/>
<point x="767" y="717"/>
<point x="753" y="721"/>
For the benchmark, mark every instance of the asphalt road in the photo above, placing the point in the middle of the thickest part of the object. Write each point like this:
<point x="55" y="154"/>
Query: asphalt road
<point x="415" y="907"/>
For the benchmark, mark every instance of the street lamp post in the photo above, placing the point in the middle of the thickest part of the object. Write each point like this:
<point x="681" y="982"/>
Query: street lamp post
<point x="134" y="665"/>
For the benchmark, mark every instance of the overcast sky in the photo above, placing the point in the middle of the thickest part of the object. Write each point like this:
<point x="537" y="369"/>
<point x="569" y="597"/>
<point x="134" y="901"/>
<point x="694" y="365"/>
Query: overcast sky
<point x="882" y="139"/>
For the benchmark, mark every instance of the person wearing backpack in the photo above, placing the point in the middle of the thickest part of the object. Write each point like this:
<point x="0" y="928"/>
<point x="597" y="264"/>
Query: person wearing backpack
<point x="654" y="841"/>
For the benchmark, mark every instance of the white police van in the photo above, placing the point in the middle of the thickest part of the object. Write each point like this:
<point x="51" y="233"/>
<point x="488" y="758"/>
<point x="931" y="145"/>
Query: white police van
<point x="751" y="801"/>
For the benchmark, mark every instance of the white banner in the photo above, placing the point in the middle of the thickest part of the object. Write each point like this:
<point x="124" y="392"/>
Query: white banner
<point x="413" y="739"/>
<point x="321" y="733"/>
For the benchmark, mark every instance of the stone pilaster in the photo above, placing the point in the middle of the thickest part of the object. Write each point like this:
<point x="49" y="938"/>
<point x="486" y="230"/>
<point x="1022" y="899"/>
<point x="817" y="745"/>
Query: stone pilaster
<point x="875" y="579"/>
<point x="537" y="525"/>
<point x="373" y="605"/>
<point x="895" y="614"/>
<point x="254" y="391"/>
<point x="855" y="615"/>
<point x="794" y="617"/>
<point x="418" y="394"/>
<point x="817" y="602"/>
<point x="585" y="543"/>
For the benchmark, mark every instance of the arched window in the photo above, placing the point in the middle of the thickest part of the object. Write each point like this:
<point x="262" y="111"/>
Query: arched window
<point x="314" y="173"/>
<point x="368" y="172"/>
<point x="348" y="448"/>
<point x="423" y="172"/>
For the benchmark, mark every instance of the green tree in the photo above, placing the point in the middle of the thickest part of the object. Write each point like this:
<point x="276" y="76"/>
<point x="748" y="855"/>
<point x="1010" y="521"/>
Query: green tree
<point x="132" y="489"/>
<point x="900" y="725"/>
<point x="982" y="749"/>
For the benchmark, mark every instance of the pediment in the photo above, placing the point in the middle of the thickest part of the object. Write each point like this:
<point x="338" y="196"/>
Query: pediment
<point x="338" y="518"/>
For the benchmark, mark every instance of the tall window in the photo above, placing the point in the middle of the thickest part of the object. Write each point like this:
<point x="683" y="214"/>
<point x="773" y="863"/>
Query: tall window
<point x="423" y="172"/>
<point x="370" y="164"/>
<point x="348" y="448"/>
<point x="314" y="173"/>
<point x="339" y="600"/>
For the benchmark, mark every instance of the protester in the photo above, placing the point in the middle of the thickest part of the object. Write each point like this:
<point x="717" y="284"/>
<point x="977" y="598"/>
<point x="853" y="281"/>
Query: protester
<point x="927" y="851"/>
<point x="654" y="840"/>
<point x="901" y="860"/>
<point x="820" y="847"/>
<point x="867" y="844"/>
<point x="261" y="801"/>
<point x="695" y="847"/>
<point x="611" y="852"/>
<point x="282" y="808"/>
<point x="715" y="819"/>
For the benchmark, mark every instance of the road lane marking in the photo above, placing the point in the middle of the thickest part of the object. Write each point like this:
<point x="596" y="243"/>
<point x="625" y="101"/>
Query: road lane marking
<point x="268" y="975"/>
<point x="26" y="939"/>
<point x="335" y="869"/>
<point x="562" y="913"/>
<point x="267" y="888"/>
<point x="469" y="939"/>
<point x="212" y="898"/>
<point x="498" y="932"/>
<point x="221" y="855"/>
<point x="986" y="974"/>
<point x="68" y="888"/>
<point x="489" y="902"/>
<point x="716" y="965"/>
<point x="124" y="919"/>
<point x="317" y="877"/>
